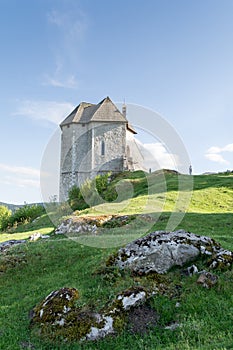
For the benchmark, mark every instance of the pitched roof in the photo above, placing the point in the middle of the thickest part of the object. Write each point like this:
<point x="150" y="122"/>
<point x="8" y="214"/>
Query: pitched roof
<point x="105" y="111"/>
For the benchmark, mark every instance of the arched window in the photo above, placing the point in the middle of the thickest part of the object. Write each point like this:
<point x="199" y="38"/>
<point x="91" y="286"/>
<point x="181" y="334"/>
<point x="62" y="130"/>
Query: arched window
<point x="102" y="148"/>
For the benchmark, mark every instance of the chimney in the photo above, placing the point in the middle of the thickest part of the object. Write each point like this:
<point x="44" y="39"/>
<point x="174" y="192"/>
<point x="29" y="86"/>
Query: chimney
<point x="124" y="110"/>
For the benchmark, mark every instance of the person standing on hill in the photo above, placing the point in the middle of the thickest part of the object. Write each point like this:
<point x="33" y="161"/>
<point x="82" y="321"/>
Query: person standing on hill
<point x="190" y="170"/>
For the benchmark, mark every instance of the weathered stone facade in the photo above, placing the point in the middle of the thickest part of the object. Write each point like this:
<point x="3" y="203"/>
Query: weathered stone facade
<point x="96" y="139"/>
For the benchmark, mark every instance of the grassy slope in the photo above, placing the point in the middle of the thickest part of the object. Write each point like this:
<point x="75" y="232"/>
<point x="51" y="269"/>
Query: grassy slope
<point x="32" y="271"/>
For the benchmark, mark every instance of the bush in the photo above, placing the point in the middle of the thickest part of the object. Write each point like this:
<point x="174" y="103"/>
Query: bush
<point x="91" y="193"/>
<point x="5" y="214"/>
<point x="76" y="200"/>
<point x="101" y="182"/>
<point x="22" y="215"/>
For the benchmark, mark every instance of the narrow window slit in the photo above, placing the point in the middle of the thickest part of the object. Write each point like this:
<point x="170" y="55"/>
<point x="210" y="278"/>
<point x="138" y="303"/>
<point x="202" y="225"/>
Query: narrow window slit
<point x="102" y="148"/>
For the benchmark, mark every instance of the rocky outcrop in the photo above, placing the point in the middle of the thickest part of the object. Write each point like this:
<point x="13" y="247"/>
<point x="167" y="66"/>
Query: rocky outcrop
<point x="8" y="244"/>
<point x="92" y="224"/>
<point x="57" y="315"/>
<point x="160" y="251"/>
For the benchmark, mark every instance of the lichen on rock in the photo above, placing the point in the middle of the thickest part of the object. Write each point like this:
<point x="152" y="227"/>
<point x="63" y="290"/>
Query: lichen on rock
<point x="132" y="297"/>
<point x="159" y="251"/>
<point x="55" y="306"/>
<point x="221" y="260"/>
<point x="58" y="317"/>
<point x="93" y="224"/>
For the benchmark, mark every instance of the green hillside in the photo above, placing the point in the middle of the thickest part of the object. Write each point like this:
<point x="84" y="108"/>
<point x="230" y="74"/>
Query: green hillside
<point x="201" y="204"/>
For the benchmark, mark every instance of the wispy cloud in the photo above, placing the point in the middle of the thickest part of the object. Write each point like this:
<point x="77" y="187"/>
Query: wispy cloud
<point x="19" y="182"/>
<point x="19" y="170"/>
<point x="44" y="110"/>
<point x="72" y="23"/>
<point x="214" y="153"/>
<point x="71" y="26"/>
<point x="59" y="79"/>
<point x="19" y="176"/>
<point x="69" y="82"/>
<point x="156" y="156"/>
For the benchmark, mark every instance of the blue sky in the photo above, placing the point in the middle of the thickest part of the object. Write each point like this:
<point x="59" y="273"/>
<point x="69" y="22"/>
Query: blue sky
<point x="173" y="57"/>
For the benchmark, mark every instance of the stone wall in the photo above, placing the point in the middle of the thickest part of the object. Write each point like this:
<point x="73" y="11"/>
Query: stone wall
<point x="76" y="156"/>
<point x="84" y="156"/>
<point x="94" y="148"/>
<point x="113" y="135"/>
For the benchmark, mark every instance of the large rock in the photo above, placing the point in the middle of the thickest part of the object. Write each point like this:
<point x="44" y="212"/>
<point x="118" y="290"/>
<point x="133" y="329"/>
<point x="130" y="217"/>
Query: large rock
<point x="159" y="251"/>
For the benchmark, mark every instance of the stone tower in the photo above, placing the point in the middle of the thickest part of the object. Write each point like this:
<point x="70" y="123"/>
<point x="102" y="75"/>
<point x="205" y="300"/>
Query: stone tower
<point x="96" y="138"/>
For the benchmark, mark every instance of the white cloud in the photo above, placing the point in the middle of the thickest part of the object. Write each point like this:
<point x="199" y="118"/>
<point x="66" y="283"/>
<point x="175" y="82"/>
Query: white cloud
<point x="213" y="150"/>
<point x="214" y="153"/>
<point x="19" y="176"/>
<point x="216" y="158"/>
<point x="19" y="170"/>
<point x="51" y="111"/>
<point x="156" y="156"/>
<point x="228" y="148"/>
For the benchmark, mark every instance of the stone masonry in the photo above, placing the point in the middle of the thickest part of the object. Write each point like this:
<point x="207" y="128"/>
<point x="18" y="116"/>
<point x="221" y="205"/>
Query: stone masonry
<point x="96" y="139"/>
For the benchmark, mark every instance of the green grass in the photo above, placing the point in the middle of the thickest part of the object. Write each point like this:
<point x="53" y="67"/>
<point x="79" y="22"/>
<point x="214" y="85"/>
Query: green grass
<point x="43" y="224"/>
<point x="30" y="272"/>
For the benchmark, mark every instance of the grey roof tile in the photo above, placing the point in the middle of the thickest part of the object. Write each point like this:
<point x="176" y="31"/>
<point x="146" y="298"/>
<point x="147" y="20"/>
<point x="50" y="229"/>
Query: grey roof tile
<point x="105" y="111"/>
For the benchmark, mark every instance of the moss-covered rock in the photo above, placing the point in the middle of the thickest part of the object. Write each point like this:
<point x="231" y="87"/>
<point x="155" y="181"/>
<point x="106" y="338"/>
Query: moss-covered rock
<point x="57" y="317"/>
<point x="160" y="251"/>
<point x="223" y="259"/>
<point x="55" y="307"/>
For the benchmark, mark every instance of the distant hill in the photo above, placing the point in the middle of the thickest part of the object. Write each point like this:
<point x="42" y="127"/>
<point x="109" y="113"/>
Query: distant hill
<point x="14" y="207"/>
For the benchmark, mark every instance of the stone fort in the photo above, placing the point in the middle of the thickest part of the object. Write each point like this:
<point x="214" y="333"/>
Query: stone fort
<point x="96" y="139"/>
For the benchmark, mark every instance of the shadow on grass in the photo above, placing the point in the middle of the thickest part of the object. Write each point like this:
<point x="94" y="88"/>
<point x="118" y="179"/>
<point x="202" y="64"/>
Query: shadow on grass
<point x="216" y="225"/>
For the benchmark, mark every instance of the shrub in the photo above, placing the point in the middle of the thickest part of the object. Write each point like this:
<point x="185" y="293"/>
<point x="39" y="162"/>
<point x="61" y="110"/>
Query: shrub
<point x="91" y="192"/>
<point x="76" y="200"/>
<point x="101" y="182"/>
<point x="5" y="214"/>
<point x="25" y="214"/>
